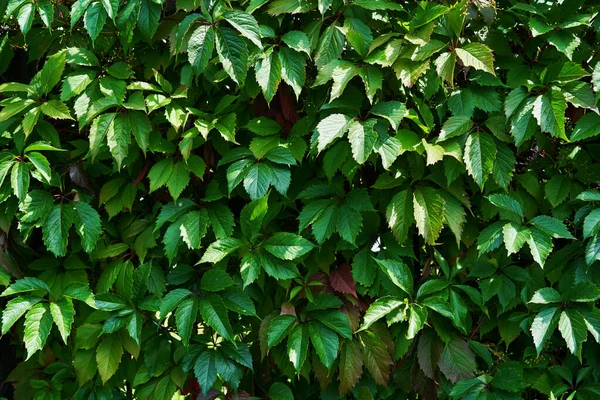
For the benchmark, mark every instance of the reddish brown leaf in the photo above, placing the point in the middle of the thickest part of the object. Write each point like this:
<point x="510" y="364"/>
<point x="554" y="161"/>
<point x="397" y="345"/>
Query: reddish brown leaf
<point x="376" y="357"/>
<point x="288" y="308"/>
<point x="342" y="281"/>
<point x="350" y="366"/>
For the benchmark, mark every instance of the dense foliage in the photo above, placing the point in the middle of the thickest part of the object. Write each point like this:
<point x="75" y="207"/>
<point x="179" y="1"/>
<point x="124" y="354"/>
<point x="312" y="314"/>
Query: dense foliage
<point x="370" y="199"/>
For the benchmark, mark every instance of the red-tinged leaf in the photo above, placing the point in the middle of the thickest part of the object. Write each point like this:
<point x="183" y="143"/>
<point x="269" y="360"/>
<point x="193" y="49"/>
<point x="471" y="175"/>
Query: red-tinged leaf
<point x="288" y="308"/>
<point x="341" y="280"/>
<point x="350" y="366"/>
<point x="376" y="357"/>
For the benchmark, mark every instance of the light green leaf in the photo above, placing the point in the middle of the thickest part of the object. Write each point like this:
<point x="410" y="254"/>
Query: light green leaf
<point x="428" y="212"/>
<point x="87" y="224"/>
<point x="219" y="250"/>
<point x="399" y="274"/>
<point x="19" y="180"/>
<point x="331" y="128"/>
<point x="15" y="309"/>
<point x="393" y="111"/>
<point x="399" y="214"/>
<point x="573" y="329"/>
<point x="479" y="155"/>
<point x="38" y="323"/>
<point x="268" y="75"/>
<point x="379" y="309"/>
<point x="287" y="246"/>
<point x="245" y="24"/>
<point x="293" y="69"/>
<point x="108" y="356"/>
<point x="540" y="245"/>
<point x="478" y="56"/>
<point x="298" y="346"/>
<point x="63" y="314"/>
<point x="514" y="236"/>
<point x="330" y="47"/>
<point x="549" y="112"/>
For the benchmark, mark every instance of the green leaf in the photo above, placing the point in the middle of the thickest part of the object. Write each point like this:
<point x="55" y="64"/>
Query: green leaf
<point x="505" y="202"/>
<point x="552" y="227"/>
<point x="540" y="245"/>
<point x="331" y="128"/>
<point x="336" y="321"/>
<point x="330" y="47"/>
<point x="214" y="313"/>
<point x="205" y="370"/>
<point x="349" y="223"/>
<point x="268" y="75"/>
<point x="279" y="328"/>
<point x="298" y="41"/>
<point x="393" y="111"/>
<point x="478" y="56"/>
<point x="219" y="250"/>
<point x="444" y="66"/>
<point x="591" y="224"/>
<point x="95" y="18"/>
<point x="15" y="309"/>
<point x="245" y="24"/>
<point x="258" y="179"/>
<point x="573" y="329"/>
<point x="215" y="280"/>
<point x="297" y="345"/>
<point x="75" y="83"/>
<point x="50" y="74"/>
<point x="38" y="323"/>
<point x="178" y="180"/>
<point x="185" y="318"/>
<point x="19" y="180"/>
<point x="233" y="54"/>
<point x="490" y="237"/>
<point x="56" y="229"/>
<point x="325" y="342"/>
<point x="557" y="189"/>
<point x="41" y="164"/>
<point x="172" y="300"/>
<point x="549" y="111"/>
<point x="479" y="155"/>
<point x="200" y="47"/>
<point x="55" y="109"/>
<point x="279" y="391"/>
<point x="546" y="296"/>
<point x="108" y="356"/>
<point x="87" y="224"/>
<point x="514" y="236"/>
<point x="148" y="18"/>
<point x="287" y="246"/>
<point x="429" y="213"/>
<point x="63" y="315"/>
<point x="399" y="214"/>
<point x="399" y="274"/>
<point x="293" y="69"/>
<point x="455" y="126"/>
<point x="379" y="309"/>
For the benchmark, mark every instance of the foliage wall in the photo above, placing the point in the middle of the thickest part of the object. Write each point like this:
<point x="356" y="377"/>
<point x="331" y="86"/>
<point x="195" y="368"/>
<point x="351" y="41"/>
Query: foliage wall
<point x="369" y="199"/>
